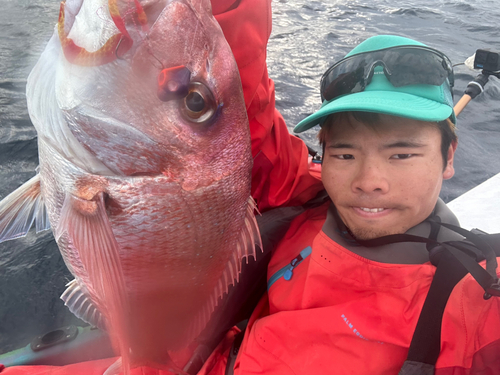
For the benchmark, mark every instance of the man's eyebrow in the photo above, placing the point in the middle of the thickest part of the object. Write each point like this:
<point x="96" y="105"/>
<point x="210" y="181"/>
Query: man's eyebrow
<point x="341" y="145"/>
<point x="404" y="144"/>
<point x="397" y="144"/>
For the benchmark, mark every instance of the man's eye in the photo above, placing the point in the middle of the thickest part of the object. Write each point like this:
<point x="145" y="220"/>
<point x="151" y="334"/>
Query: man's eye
<point x="345" y="156"/>
<point x="401" y="156"/>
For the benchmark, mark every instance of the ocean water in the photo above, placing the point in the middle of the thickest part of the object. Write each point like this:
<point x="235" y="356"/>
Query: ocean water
<point x="308" y="36"/>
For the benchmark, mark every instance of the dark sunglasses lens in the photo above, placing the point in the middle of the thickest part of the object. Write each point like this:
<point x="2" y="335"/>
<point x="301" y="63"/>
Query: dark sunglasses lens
<point x="346" y="78"/>
<point x="415" y="66"/>
<point x="403" y="66"/>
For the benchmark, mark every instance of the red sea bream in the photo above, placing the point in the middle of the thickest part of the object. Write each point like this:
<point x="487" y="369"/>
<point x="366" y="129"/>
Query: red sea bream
<point x="145" y="166"/>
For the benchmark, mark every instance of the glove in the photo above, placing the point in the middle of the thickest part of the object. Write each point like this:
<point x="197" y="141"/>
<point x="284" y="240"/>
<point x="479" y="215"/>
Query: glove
<point x="476" y="87"/>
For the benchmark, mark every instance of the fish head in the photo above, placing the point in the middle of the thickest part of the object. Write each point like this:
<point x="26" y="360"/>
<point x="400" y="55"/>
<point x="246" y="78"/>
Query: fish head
<point x="152" y="88"/>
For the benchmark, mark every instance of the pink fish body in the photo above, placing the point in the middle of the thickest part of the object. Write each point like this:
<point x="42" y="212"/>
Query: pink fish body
<point x="145" y="166"/>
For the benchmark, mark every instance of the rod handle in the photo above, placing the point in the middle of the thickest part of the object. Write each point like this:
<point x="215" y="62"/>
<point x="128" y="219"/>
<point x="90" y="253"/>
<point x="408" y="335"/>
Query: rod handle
<point x="462" y="103"/>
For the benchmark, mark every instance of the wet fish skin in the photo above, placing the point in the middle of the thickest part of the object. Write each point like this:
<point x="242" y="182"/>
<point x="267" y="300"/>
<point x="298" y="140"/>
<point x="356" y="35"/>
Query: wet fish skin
<point x="149" y="207"/>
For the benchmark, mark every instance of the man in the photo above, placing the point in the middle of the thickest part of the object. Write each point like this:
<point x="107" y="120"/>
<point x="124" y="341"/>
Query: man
<point x="280" y="173"/>
<point x="345" y="286"/>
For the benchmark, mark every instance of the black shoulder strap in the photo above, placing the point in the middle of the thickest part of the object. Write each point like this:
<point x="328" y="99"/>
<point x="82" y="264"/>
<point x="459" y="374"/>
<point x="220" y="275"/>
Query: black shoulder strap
<point x="233" y="352"/>
<point x="426" y="342"/>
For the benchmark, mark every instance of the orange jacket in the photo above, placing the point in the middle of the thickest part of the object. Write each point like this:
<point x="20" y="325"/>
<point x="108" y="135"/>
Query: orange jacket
<point x="340" y="313"/>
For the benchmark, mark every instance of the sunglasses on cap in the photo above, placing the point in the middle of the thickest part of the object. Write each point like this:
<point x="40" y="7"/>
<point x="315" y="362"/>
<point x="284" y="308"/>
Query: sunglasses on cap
<point x="403" y="66"/>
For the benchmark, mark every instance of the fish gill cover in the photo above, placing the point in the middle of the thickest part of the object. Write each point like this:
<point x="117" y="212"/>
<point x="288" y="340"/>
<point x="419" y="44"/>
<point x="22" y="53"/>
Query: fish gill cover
<point x="145" y="167"/>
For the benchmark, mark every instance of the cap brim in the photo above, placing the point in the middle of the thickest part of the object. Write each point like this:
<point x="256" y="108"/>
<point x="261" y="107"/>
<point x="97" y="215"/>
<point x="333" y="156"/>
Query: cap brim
<point x="387" y="102"/>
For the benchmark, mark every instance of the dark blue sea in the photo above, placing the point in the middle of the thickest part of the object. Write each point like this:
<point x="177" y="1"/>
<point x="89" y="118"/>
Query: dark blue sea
<point x="308" y="36"/>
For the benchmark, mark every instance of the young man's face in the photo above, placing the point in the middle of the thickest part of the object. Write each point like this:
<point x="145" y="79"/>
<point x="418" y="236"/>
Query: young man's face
<point x="384" y="179"/>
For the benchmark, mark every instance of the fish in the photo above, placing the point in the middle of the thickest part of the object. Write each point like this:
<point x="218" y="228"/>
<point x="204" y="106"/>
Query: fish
<point x="144" y="170"/>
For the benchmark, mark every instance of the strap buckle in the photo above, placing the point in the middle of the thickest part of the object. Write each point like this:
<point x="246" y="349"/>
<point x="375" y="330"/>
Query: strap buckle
<point x="493" y="290"/>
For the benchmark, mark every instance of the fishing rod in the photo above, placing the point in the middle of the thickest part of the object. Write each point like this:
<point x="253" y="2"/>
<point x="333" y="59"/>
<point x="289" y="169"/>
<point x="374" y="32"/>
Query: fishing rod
<point x="489" y="62"/>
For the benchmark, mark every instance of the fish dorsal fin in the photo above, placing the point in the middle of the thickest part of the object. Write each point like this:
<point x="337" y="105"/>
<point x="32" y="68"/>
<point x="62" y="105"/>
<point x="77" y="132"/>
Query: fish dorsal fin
<point x="80" y="304"/>
<point x="86" y="224"/>
<point x="20" y="209"/>
<point x="248" y="240"/>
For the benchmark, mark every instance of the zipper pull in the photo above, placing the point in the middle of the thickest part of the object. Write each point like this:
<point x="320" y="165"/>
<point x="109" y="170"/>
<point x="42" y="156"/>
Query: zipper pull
<point x="289" y="271"/>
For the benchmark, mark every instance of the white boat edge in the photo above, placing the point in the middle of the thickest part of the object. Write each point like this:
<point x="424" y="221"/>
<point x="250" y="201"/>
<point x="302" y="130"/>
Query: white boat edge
<point x="479" y="207"/>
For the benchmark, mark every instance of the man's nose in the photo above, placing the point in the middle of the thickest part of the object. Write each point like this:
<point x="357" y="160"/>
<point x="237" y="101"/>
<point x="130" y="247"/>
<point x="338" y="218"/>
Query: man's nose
<point x="370" y="177"/>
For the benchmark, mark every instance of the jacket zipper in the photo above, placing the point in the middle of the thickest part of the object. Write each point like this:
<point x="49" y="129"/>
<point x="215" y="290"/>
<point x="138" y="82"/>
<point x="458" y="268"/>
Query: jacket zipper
<point x="287" y="271"/>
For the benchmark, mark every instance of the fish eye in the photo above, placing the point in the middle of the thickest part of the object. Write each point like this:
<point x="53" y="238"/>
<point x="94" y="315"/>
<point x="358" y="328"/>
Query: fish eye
<point x="199" y="104"/>
<point x="195" y="102"/>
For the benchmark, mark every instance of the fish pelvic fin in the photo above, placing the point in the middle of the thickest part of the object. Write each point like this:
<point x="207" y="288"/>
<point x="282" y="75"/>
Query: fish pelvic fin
<point x="117" y="367"/>
<point x="20" y="209"/>
<point x="247" y="243"/>
<point x="89" y="232"/>
<point x="81" y="305"/>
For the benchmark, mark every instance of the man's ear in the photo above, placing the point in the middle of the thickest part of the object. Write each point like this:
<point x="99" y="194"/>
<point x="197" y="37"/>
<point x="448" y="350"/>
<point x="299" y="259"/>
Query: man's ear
<point x="449" y="171"/>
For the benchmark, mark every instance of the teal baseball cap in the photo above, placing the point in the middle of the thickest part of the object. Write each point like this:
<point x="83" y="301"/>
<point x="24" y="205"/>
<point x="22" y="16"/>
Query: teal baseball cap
<point x="406" y="78"/>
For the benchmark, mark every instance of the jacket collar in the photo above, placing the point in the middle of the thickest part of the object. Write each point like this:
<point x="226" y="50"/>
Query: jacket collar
<point x="398" y="253"/>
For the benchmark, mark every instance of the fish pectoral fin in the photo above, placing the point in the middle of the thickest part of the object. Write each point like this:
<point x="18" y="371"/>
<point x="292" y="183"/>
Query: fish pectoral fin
<point x="88" y="228"/>
<point x="20" y="209"/>
<point x="246" y="246"/>
<point x="80" y="304"/>
<point x="91" y="240"/>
